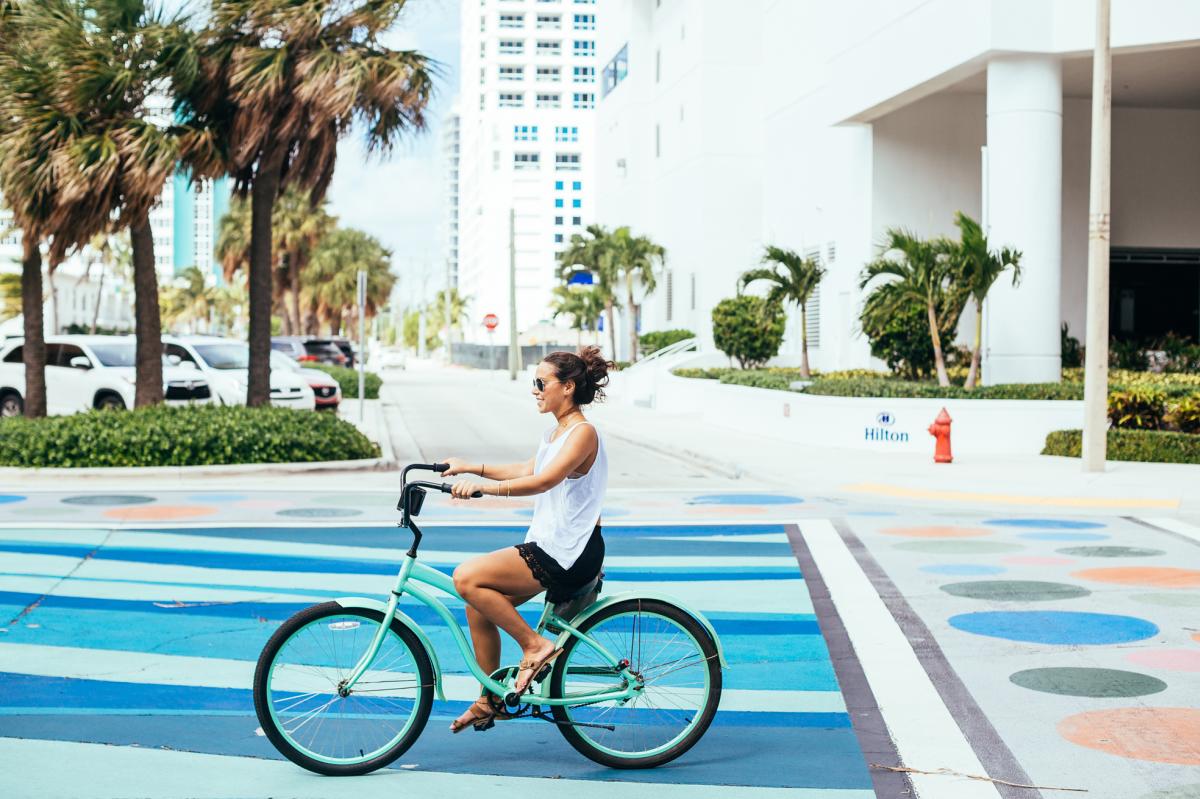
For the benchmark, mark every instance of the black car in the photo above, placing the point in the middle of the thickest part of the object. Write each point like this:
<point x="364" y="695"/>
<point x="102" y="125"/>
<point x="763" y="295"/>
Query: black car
<point x="307" y="349"/>
<point x="347" y="349"/>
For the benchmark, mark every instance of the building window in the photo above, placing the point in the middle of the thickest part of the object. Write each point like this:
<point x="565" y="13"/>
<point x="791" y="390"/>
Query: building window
<point x="657" y="65"/>
<point x="584" y="47"/>
<point x="583" y="100"/>
<point x="549" y="100"/>
<point x="525" y="133"/>
<point x="657" y="140"/>
<point x="558" y="185"/>
<point x="670" y="295"/>
<point x="512" y="99"/>
<point x="548" y="74"/>
<point x="577" y="203"/>
<point x="584" y="74"/>
<point x="566" y="162"/>
<point x="577" y="220"/>
<point x="547" y="47"/>
<point x="585" y="2"/>
<point x="585" y="22"/>
<point x="549" y="21"/>
<point x="512" y="73"/>
<point x="692" y="278"/>
<point x="616" y="70"/>
<point x="526" y="161"/>
<point x="558" y="220"/>
<point x="576" y="185"/>
<point x="512" y="20"/>
<point x="564" y="133"/>
<point x="558" y="238"/>
<point x="512" y="46"/>
<point x="558" y="201"/>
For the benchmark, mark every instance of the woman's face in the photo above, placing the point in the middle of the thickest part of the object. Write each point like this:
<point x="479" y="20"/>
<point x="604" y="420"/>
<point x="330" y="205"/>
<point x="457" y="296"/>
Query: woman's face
<point x="555" y="396"/>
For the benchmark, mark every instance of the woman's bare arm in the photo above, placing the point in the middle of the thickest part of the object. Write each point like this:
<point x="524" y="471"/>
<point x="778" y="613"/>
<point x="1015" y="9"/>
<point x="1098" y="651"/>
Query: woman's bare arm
<point x="491" y="471"/>
<point x="577" y="448"/>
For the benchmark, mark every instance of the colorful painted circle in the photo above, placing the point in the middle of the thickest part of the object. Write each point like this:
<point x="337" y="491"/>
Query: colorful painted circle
<point x="958" y="547"/>
<point x="318" y="513"/>
<point x="1015" y="590"/>
<point x="1156" y="734"/>
<point x="1179" y="600"/>
<point x="1046" y="524"/>
<point x="1111" y="552"/>
<point x="107" y="499"/>
<point x="1097" y="683"/>
<point x="744" y="499"/>
<point x="359" y="500"/>
<point x="6" y="499"/>
<point x="1146" y="576"/>
<point x="936" y="532"/>
<point x="964" y="569"/>
<point x="1064" y="536"/>
<point x="1055" y="626"/>
<point x="1167" y="659"/>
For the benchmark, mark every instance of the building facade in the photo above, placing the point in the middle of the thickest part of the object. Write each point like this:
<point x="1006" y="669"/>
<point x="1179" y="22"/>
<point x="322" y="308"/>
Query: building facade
<point x="451" y="150"/>
<point x="797" y="124"/>
<point x="527" y="104"/>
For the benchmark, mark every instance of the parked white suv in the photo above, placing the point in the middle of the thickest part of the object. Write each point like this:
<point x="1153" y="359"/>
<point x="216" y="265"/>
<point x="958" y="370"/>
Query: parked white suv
<point x="226" y="362"/>
<point x="85" y="372"/>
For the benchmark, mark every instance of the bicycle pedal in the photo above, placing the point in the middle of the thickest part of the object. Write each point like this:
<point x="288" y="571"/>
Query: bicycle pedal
<point x="485" y="725"/>
<point x="543" y="674"/>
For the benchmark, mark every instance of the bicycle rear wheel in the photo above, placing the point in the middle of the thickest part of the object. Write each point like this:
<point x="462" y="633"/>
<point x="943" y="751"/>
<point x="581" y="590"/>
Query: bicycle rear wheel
<point x="296" y="690"/>
<point x="680" y="675"/>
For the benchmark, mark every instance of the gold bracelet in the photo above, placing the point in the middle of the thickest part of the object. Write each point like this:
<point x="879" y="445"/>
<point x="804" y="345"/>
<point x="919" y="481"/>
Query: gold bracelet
<point x="482" y="469"/>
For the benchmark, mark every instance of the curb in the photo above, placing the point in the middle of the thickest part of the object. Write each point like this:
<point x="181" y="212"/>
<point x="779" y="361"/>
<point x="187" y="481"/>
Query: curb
<point x="214" y="470"/>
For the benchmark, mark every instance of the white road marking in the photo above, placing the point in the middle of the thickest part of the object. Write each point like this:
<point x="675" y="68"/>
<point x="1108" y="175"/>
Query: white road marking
<point x="1176" y="526"/>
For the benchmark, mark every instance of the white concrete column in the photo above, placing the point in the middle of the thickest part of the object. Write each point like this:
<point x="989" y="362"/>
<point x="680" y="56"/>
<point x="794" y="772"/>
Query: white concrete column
<point x="1024" y="141"/>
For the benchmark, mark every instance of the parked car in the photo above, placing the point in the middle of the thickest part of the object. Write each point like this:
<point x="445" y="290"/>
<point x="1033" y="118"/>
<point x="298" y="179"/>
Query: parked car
<point x="327" y="392"/>
<point x="392" y="359"/>
<point x="306" y="349"/>
<point x="226" y="363"/>
<point x="85" y="372"/>
<point x="347" y="348"/>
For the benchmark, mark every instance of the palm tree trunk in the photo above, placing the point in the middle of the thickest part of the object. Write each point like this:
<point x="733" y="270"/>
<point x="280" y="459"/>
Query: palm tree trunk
<point x="973" y="373"/>
<point x="51" y="267"/>
<point x="34" y="349"/>
<point x="938" y="360"/>
<point x="294" y="291"/>
<point x="612" y="329"/>
<point x="633" y="342"/>
<point x="147" y="322"/>
<point x="99" y="297"/>
<point x="262" y="203"/>
<point x="804" y="372"/>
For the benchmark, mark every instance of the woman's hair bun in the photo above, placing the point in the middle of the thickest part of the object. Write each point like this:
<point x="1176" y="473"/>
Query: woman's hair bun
<point x="588" y="369"/>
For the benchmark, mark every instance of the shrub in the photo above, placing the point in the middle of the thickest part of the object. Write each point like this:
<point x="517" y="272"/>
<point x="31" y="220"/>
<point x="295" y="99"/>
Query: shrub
<point x="656" y="340"/>
<point x="748" y="329"/>
<point x="1153" y="446"/>
<point x="1072" y="351"/>
<point x="1184" y="415"/>
<point x="702" y="374"/>
<point x="188" y="436"/>
<point x="1127" y="355"/>
<point x="348" y="380"/>
<point x="1137" y="409"/>
<point x="758" y="378"/>
<point x="1173" y="385"/>
<point x="911" y="389"/>
<point x="900" y="337"/>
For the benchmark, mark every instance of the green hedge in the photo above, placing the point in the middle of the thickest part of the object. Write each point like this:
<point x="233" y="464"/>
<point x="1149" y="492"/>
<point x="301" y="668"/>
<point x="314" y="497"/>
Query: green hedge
<point x="657" y="339"/>
<point x="1152" y="446"/>
<point x="348" y="379"/>
<point x="910" y="389"/>
<point x="181" y="436"/>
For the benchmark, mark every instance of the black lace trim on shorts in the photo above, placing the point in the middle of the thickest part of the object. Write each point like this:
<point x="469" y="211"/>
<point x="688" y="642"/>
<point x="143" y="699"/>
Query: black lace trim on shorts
<point x="535" y="566"/>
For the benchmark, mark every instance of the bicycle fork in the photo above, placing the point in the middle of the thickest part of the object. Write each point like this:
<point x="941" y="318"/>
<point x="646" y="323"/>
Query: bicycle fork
<point x="346" y="684"/>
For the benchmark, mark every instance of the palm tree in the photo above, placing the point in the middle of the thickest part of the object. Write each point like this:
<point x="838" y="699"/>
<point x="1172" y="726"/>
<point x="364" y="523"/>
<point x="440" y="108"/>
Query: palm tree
<point x="436" y="313"/>
<point x="922" y="272"/>
<point x="980" y="267"/>
<point x="636" y="258"/>
<point x="796" y="283"/>
<point x="583" y="304"/>
<point x="188" y="298"/>
<point x="593" y="253"/>
<point x="283" y="81"/>
<point x="330" y="279"/>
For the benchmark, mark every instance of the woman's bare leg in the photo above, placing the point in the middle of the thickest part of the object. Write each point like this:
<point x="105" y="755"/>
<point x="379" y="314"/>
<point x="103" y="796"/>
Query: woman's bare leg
<point x="485" y="636"/>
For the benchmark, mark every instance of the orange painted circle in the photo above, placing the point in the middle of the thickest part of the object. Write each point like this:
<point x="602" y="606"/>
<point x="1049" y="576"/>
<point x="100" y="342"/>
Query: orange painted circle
<point x="1196" y="637"/>
<point x="937" y="532"/>
<point x="1158" y="734"/>
<point x="159" y="513"/>
<point x="1149" y="576"/>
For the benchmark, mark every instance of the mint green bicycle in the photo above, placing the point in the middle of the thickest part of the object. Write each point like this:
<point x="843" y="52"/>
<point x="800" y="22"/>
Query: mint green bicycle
<point x="346" y="687"/>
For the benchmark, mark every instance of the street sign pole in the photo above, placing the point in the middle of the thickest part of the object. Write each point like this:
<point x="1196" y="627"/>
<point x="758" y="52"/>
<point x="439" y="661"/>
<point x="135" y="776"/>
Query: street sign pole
<point x="362" y="343"/>
<point x="491" y="321"/>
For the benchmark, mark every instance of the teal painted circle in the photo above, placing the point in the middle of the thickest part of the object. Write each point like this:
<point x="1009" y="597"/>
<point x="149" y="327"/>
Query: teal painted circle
<point x="1095" y="683"/>
<point x="108" y="499"/>
<point x="964" y="569"/>
<point x="1111" y="552"/>
<point x="360" y="500"/>
<point x="318" y="513"/>
<point x="744" y="499"/>
<point x="7" y="499"/>
<point x="1179" y="600"/>
<point x="1055" y="626"/>
<point x="1015" y="590"/>
<point x="959" y="547"/>
<point x="1178" y="792"/>
<point x="1064" y="536"/>
<point x="1046" y="524"/>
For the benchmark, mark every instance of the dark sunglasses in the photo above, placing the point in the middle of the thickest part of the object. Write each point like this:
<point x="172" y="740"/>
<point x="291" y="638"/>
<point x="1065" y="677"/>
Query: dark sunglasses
<point x="540" y="384"/>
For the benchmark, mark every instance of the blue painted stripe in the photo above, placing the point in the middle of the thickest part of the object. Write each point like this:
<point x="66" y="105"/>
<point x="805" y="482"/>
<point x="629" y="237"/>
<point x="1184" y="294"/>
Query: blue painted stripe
<point x="247" y="561"/>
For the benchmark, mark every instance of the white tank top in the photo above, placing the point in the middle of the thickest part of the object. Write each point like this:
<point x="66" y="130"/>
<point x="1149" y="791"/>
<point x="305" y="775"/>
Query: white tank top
<point x="564" y="516"/>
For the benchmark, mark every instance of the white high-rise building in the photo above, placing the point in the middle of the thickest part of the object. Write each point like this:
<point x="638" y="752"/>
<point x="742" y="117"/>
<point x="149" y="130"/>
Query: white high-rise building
<point x="451" y="149"/>
<point x="528" y="96"/>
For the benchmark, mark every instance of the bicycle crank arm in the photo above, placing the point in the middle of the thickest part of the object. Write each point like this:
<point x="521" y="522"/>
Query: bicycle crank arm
<point x="552" y="720"/>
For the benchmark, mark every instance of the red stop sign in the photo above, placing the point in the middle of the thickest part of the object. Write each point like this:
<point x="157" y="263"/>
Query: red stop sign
<point x="491" y="321"/>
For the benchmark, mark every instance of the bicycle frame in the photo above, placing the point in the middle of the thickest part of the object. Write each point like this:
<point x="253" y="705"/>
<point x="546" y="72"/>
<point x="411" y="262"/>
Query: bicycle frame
<point x="414" y="574"/>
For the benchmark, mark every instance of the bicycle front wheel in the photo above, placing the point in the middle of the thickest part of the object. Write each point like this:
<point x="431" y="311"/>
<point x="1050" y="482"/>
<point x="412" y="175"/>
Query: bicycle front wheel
<point x="679" y="676"/>
<point x="301" y="710"/>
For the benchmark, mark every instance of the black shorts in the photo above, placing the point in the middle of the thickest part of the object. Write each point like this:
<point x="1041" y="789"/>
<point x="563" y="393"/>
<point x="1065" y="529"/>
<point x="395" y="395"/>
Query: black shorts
<point x="561" y="584"/>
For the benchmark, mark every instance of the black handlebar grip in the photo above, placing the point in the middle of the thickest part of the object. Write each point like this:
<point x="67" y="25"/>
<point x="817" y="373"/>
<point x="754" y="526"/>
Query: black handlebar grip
<point x="477" y="494"/>
<point x="445" y="488"/>
<point x="440" y="467"/>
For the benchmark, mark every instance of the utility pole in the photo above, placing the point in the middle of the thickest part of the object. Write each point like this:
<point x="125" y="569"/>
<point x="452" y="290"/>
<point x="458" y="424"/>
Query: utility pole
<point x="514" y="353"/>
<point x="1095" y="368"/>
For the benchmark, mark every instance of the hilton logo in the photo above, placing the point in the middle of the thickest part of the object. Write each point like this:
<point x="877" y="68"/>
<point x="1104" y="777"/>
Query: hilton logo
<point x="884" y="420"/>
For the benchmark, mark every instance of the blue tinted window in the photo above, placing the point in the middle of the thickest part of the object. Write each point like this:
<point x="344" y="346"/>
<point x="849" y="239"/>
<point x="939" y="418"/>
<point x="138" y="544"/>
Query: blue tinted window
<point x="576" y="185"/>
<point x="558" y="220"/>
<point x="558" y="202"/>
<point x="558" y="238"/>
<point x="577" y="203"/>
<point x="558" y="184"/>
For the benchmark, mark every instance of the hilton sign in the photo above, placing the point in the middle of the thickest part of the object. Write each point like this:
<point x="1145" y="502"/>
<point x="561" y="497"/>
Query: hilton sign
<point x="881" y="430"/>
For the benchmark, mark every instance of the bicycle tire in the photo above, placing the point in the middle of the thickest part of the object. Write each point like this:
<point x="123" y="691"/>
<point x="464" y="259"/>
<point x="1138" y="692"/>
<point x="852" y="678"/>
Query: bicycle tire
<point x="282" y="742"/>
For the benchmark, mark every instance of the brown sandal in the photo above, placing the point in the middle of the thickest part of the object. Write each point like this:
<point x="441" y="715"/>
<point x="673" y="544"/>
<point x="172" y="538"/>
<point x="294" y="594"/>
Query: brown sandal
<point x="482" y="717"/>
<point x="535" y="667"/>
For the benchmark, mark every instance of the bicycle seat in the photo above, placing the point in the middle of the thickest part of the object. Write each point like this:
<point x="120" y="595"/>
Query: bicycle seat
<point x="586" y="595"/>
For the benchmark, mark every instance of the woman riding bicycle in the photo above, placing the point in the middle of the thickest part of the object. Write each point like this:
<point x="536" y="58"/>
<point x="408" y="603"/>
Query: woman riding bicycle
<point x="563" y="550"/>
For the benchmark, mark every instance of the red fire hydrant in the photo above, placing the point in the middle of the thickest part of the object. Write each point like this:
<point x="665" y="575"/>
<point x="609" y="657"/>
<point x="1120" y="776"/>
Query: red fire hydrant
<point x="940" y="429"/>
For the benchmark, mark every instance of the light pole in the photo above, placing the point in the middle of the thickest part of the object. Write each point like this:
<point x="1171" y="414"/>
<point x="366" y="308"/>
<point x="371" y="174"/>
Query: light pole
<point x="1095" y="369"/>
